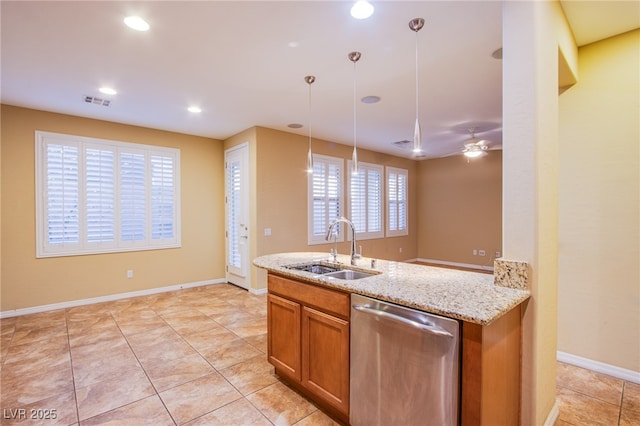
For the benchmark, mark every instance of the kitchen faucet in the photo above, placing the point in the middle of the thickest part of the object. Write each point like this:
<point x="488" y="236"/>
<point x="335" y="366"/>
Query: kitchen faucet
<point x="331" y="231"/>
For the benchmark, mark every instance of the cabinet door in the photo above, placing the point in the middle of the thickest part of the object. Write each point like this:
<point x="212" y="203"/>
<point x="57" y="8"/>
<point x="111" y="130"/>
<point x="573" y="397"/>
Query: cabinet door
<point x="325" y="357"/>
<point x="283" y="342"/>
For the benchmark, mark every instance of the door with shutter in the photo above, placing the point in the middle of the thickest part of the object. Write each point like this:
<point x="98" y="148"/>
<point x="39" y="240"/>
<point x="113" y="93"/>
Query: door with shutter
<point x="237" y="215"/>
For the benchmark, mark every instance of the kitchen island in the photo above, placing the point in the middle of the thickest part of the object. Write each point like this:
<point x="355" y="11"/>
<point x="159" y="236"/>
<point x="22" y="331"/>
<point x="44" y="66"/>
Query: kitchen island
<point x="306" y="305"/>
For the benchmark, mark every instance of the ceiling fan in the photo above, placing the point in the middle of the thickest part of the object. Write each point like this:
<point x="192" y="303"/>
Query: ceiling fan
<point x="475" y="147"/>
<point x="449" y="143"/>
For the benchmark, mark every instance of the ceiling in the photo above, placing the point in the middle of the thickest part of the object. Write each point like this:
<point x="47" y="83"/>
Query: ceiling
<point x="244" y="64"/>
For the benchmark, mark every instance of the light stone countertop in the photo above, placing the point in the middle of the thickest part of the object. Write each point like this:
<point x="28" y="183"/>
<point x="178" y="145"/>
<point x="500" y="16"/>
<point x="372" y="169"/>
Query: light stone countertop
<point x="464" y="295"/>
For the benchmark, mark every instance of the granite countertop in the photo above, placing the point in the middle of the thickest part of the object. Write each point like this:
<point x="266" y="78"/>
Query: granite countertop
<point x="464" y="295"/>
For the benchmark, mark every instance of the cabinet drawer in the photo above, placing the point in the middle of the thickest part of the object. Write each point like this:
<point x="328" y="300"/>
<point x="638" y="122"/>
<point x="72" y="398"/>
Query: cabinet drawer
<point x="330" y="301"/>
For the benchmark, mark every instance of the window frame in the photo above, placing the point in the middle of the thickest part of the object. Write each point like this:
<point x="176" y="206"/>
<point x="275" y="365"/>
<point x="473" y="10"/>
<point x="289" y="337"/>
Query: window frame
<point x="45" y="248"/>
<point x="313" y="239"/>
<point x="398" y="172"/>
<point x="379" y="169"/>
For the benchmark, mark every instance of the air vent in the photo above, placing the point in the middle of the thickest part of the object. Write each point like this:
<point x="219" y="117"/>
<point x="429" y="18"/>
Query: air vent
<point x="97" y="101"/>
<point x="404" y="144"/>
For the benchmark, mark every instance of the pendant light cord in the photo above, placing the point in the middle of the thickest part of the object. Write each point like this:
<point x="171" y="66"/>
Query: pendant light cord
<point x="415" y="25"/>
<point x="417" y="81"/>
<point x="309" y="116"/>
<point x="354" y="57"/>
<point x="309" y="79"/>
<point x="355" y="118"/>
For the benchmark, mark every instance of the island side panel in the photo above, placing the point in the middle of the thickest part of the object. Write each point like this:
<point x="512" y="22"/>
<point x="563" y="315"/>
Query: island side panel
<point x="491" y="364"/>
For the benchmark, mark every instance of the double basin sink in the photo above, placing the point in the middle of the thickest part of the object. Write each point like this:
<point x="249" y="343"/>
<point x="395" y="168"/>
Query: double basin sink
<point x="331" y="271"/>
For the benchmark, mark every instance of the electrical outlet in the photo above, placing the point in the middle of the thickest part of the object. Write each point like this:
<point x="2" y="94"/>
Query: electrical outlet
<point x="400" y="249"/>
<point x="475" y="252"/>
<point x="481" y="253"/>
<point x="267" y="232"/>
<point x="498" y="254"/>
<point x="130" y="273"/>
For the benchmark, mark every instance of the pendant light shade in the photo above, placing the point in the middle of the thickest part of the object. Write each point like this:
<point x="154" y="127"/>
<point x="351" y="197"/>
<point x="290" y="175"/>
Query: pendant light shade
<point x="354" y="57"/>
<point x="416" y="25"/>
<point x="309" y="80"/>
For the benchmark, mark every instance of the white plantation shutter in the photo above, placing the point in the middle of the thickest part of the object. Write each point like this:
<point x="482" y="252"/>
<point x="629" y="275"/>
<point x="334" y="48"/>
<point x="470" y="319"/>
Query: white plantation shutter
<point x="366" y="200"/>
<point x="62" y="195"/>
<point x="162" y="197"/>
<point x="133" y="214"/>
<point x="397" y="196"/>
<point x="325" y="196"/>
<point x="100" y="196"/>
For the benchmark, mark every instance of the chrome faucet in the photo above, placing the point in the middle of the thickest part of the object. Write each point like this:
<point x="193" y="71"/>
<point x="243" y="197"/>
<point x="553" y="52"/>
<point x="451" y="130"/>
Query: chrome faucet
<point x="331" y="231"/>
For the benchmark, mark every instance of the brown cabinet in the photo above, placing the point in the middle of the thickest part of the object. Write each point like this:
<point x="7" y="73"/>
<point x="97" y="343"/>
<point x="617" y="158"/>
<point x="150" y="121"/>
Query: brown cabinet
<point x="308" y="344"/>
<point x="308" y="341"/>
<point x="491" y="371"/>
<point x="283" y="343"/>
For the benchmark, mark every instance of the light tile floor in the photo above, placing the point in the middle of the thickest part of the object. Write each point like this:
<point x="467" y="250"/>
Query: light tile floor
<point x="589" y="398"/>
<point x="196" y="357"/>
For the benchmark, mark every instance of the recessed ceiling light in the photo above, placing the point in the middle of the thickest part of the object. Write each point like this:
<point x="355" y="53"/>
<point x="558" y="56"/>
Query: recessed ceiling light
<point x="293" y="44"/>
<point x="194" y="109"/>
<point x="136" y="23"/>
<point x="362" y="9"/>
<point x="294" y="126"/>
<point x="107" y="91"/>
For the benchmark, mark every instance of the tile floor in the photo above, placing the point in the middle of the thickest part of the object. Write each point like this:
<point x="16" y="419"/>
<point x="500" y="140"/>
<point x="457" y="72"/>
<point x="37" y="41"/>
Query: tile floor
<point x="195" y="357"/>
<point x="589" y="398"/>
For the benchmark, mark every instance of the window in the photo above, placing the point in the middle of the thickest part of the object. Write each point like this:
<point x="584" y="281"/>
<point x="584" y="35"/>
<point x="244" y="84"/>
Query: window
<point x="366" y="200"/>
<point x="325" y="197"/>
<point x="397" y="186"/>
<point x="99" y="196"/>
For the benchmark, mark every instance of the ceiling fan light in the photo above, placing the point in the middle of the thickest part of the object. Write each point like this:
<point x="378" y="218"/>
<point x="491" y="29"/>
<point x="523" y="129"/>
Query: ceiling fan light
<point x="362" y="9"/>
<point x="473" y="153"/>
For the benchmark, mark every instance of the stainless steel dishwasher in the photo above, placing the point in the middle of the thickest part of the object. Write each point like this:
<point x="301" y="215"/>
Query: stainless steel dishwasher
<point x="404" y="366"/>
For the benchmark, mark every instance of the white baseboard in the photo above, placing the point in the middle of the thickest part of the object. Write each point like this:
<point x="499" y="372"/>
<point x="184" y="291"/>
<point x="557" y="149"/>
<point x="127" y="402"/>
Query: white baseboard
<point x="599" y="367"/>
<point x="109" y="298"/>
<point x="553" y="414"/>
<point x="457" y="264"/>
<point x="258" y="291"/>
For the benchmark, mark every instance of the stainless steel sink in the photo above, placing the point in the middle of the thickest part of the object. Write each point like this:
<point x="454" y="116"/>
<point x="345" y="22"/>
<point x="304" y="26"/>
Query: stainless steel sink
<point x="314" y="268"/>
<point x="348" y="274"/>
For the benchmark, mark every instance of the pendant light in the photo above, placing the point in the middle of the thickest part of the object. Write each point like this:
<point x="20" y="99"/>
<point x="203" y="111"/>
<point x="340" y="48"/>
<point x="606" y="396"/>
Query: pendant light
<point x="354" y="57"/>
<point x="416" y="25"/>
<point x="309" y="79"/>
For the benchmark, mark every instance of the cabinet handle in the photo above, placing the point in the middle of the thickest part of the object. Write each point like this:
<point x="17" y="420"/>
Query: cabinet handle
<point x="428" y="328"/>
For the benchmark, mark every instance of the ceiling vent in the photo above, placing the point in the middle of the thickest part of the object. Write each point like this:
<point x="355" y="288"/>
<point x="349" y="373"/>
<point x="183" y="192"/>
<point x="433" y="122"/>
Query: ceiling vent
<point x="97" y="101"/>
<point x="403" y="144"/>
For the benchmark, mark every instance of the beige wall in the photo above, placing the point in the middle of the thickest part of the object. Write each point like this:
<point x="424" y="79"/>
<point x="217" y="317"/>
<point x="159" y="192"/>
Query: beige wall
<point x="281" y="198"/>
<point x="460" y="209"/>
<point x="29" y="282"/>
<point x="533" y="34"/>
<point x="599" y="199"/>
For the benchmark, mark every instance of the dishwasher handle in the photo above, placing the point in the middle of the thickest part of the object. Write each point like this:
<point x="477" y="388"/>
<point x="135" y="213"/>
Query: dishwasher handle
<point x="428" y="328"/>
